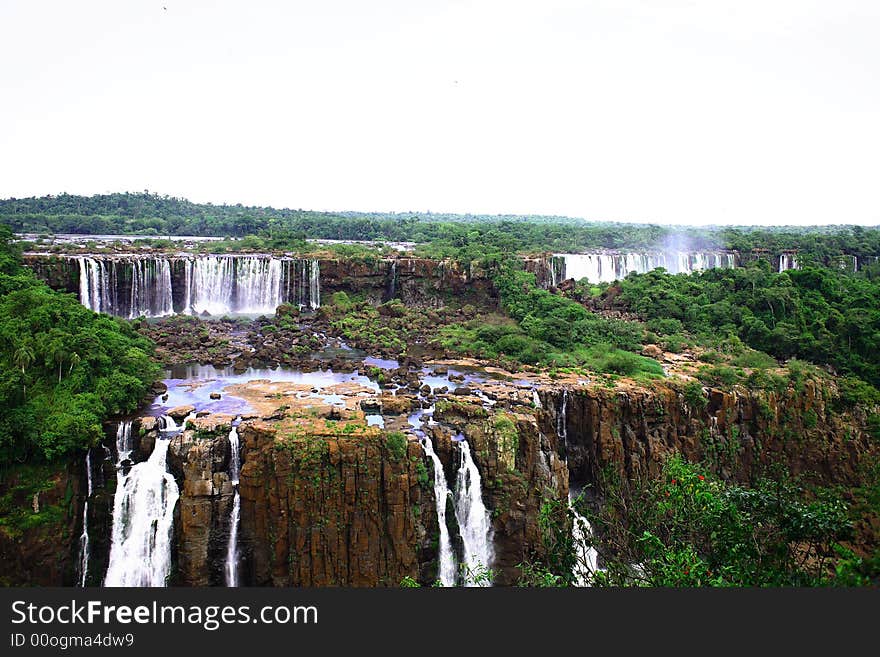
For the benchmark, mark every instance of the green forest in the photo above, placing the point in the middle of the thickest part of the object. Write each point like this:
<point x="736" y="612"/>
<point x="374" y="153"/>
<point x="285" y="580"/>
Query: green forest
<point x="64" y="368"/>
<point x="465" y="236"/>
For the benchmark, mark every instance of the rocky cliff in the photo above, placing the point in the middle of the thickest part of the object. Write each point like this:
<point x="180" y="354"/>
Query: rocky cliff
<point x="740" y="432"/>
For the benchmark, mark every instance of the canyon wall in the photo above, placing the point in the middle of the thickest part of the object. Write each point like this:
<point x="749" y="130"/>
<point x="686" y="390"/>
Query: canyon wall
<point x="632" y="429"/>
<point x="323" y="508"/>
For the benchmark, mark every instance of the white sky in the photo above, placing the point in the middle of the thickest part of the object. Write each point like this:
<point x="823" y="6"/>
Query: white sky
<point x="709" y="111"/>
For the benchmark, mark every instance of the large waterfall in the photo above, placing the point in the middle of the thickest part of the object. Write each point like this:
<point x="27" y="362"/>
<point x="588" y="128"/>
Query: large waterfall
<point x="231" y="567"/>
<point x="154" y="286"/>
<point x="472" y="516"/>
<point x="84" y="536"/>
<point x="143" y="518"/>
<point x="446" y="569"/>
<point x="604" y="267"/>
<point x="127" y="288"/>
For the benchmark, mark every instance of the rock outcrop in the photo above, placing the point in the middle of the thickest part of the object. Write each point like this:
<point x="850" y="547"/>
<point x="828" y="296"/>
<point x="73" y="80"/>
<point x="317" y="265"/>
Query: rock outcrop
<point x="740" y="432"/>
<point x="199" y="460"/>
<point x="331" y="510"/>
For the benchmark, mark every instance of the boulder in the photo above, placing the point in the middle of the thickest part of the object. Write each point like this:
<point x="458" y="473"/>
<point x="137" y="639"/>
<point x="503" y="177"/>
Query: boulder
<point x="397" y="405"/>
<point x="180" y="412"/>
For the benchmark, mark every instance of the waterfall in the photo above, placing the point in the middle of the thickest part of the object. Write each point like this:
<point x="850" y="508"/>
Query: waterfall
<point x="103" y="281"/>
<point x="391" y="288"/>
<point x="84" y="537"/>
<point x="231" y="568"/>
<point x="143" y="518"/>
<point x="787" y="261"/>
<point x="132" y="286"/>
<point x="209" y="284"/>
<point x="606" y="266"/>
<point x="586" y="557"/>
<point x="150" y="288"/>
<point x="536" y="398"/>
<point x="93" y="285"/>
<point x="561" y="423"/>
<point x="471" y="514"/>
<point x="258" y="282"/>
<point x="446" y="569"/>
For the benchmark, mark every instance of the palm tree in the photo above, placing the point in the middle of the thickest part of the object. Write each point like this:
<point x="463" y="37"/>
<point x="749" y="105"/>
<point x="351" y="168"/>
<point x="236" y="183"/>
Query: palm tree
<point x="74" y="361"/>
<point x="23" y="357"/>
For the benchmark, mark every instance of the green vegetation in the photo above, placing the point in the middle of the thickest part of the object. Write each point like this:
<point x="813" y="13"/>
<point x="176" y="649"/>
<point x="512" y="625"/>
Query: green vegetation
<point x="818" y="314"/>
<point x="64" y="368"/>
<point x="396" y="443"/>
<point x="689" y="528"/>
<point x="20" y="485"/>
<point x="549" y="330"/>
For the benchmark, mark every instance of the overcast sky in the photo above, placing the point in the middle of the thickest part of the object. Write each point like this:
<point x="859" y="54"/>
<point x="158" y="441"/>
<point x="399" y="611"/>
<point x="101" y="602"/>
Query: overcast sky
<point x="742" y="111"/>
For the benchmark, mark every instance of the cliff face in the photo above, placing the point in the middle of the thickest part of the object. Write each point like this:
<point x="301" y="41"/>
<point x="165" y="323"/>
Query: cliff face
<point x="634" y="429"/>
<point x="199" y="461"/>
<point x="41" y="508"/>
<point x="59" y="273"/>
<point x="335" y="511"/>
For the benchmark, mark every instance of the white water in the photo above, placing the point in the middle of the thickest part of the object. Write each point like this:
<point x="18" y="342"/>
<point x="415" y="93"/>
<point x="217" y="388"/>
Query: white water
<point x="470" y="512"/>
<point x="787" y="261"/>
<point x="213" y="284"/>
<point x="561" y="422"/>
<point x="231" y="568"/>
<point x="604" y="267"/>
<point x="446" y="570"/>
<point x="586" y="556"/>
<point x="84" y="537"/>
<point x="143" y="518"/>
<point x="100" y="284"/>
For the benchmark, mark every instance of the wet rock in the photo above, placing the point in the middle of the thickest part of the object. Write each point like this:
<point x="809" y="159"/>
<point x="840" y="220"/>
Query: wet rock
<point x="180" y="412"/>
<point x="213" y="423"/>
<point x="462" y="390"/>
<point x="397" y="405"/>
<point x="371" y="405"/>
<point x="215" y="395"/>
<point x="148" y="423"/>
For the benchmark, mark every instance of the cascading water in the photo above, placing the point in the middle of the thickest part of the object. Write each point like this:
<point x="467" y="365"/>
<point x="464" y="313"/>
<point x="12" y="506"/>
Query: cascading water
<point x="126" y="287"/>
<point x="231" y="568"/>
<point x="561" y="421"/>
<point x="150" y="288"/>
<point x="143" y="517"/>
<point x="473" y="518"/>
<point x="132" y="286"/>
<point x="446" y="569"/>
<point x="604" y="267"/>
<point x="787" y="261"/>
<point x="586" y="557"/>
<point x="84" y="537"/>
